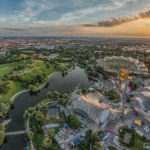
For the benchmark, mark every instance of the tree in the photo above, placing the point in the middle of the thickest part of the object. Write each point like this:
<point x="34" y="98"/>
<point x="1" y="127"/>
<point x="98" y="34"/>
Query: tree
<point x="39" y="116"/>
<point x="96" y="138"/>
<point x="25" y="114"/>
<point x="39" y="78"/>
<point x="63" y="101"/>
<point x="73" y="122"/>
<point x="47" y="141"/>
<point x="30" y="109"/>
<point x="49" y="94"/>
<point x="51" y="133"/>
<point x="2" y="137"/>
<point x="30" y="135"/>
<point x="113" y="95"/>
<point x="2" y="127"/>
<point x="4" y="87"/>
<point x="96" y="146"/>
<point x="4" y="108"/>
<point x="84" y="145"/>
<point x="2" y="134"/>
<point x="96" y="142"/>
<point x="65" y="95"/>
<point x="44" y="107"/>
<point x="133" y="85"/>
<point x="37" y="107"/>
<point x="84" y="91"/>
<point x="56" y="94"/>
<point x="28" y="113"/>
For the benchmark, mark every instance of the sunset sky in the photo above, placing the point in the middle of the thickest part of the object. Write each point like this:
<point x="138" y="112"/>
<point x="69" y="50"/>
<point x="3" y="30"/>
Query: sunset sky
<point x="75" y="18"/>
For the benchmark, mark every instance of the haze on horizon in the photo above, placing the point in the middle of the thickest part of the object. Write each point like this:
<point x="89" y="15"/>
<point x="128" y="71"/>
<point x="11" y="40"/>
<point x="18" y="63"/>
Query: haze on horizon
<point x="75" y="18"/>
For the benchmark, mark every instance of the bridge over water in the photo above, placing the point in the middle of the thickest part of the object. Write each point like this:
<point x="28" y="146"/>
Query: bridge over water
<point x="15" y="132"/>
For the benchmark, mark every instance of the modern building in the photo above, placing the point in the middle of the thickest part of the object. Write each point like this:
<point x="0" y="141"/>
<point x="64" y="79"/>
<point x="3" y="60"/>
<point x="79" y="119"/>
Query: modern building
<point x="93" y="107"/>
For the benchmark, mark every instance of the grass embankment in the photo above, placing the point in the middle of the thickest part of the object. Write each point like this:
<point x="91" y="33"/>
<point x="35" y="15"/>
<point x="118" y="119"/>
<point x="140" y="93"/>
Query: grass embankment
<point x="138" y="143"/>
<point x="32" y="69"/>
<point x="14" y="88"/>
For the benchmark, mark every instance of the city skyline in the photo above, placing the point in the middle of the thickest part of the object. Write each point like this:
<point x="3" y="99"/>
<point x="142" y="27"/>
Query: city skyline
<point x="130" y="18"/>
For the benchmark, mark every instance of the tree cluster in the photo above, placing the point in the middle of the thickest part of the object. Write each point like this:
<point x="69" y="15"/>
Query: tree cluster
<point x="4" y="87"/>
<point x="73" y="122"/>
<point x="113" y="95"/>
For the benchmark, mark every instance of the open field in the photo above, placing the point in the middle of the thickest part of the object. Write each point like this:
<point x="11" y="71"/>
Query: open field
<point x="119" y="64"/>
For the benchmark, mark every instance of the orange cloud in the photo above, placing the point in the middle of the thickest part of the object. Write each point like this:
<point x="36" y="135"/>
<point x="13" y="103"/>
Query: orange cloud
<point x="112" y="22"/>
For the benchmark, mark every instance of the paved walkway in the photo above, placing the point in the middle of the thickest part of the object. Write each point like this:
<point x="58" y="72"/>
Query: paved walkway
<point x="28" y="130"/>
<point x="26" y="71"/>
<point x="18" y="93"/>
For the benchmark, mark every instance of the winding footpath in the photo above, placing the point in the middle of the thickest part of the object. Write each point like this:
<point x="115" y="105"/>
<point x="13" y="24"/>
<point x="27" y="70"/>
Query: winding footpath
<point x="18" y="93"/>
<point x="28" y="130"/>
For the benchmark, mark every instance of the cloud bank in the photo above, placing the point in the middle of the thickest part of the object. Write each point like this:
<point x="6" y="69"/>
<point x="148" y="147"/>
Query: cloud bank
<point x="112" y="22"/>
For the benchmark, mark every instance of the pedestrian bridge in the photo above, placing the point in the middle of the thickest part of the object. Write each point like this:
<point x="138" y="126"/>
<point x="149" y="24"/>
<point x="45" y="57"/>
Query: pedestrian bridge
<point x="15" y="133"/>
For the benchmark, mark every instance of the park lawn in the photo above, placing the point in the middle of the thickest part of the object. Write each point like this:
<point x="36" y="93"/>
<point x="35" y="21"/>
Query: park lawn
<point x="138" y="143"/>
<point x="8" y="68"/>
<point x="14" y="88"/>
<point x="112" y="148"/>
<point x="67" y="59"/>
<point x="28" y="51"/>
<point x="35" y="64"/>
<point x="75" y="148"/>
<point x="41" y="70"/>
<point x="23" y="56"/>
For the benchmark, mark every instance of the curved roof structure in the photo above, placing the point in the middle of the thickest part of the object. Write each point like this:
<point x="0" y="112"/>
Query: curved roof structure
<point x="92" y="105"/>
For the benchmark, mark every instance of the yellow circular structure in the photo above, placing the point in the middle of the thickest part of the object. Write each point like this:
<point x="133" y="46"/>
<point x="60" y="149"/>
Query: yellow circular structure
<point x="123" y="74"/>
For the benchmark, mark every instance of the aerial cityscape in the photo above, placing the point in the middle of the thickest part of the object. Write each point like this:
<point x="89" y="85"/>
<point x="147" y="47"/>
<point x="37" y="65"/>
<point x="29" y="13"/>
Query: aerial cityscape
<point x="75" y="75"/>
